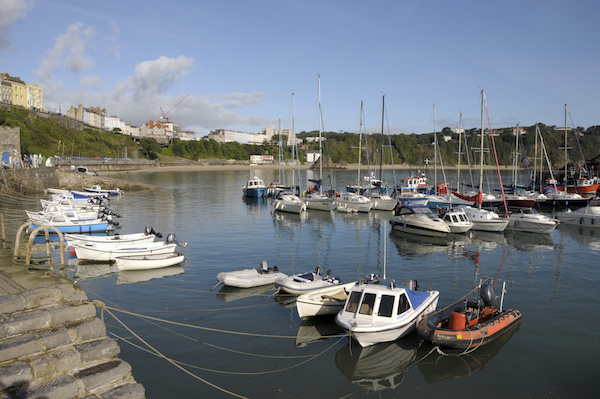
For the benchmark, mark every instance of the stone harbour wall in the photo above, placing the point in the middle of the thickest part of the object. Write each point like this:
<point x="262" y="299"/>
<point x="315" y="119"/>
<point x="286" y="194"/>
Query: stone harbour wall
<point x="53" y="345"/>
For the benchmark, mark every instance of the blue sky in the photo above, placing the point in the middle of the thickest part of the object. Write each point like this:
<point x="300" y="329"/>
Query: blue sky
<point x="235" y="63"/>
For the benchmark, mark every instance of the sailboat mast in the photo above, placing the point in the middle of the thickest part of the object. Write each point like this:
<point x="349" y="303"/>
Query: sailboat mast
<point x="381" y="155"/>
<point x="481" y="152"/>
<point x="320" y="140"/>
<point x="293" y="132"/>
<point x="459" y="152"/>
<point x="565" y="178"/>
<point x="435" y="145"/>
<point x="359" y="146"/>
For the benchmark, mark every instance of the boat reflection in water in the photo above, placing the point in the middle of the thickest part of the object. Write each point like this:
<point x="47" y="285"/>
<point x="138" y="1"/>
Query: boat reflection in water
<point x="410" y="244"/>
<point x="529" y="241"/>
<point x="140" y="276"/>
<point x="589" y="236"/>
<point x="380" y="366"/>
<point x="456" y="363"/>
<point x="285" y="299"/>
<point x="230" y="294"/>
<point x="318" y="329"/>
<point x="94" y="270"/>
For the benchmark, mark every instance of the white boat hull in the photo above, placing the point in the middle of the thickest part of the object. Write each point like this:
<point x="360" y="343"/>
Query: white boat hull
<point x="327" y="301"/>
<point x="89" y="252"/>
<point x="147" y="262"/>
<point x="134" y="238"/>
<point x="420" y="226"/>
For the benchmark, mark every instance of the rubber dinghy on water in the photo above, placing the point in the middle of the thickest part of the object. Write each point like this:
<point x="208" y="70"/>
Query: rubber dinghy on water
<point x="468" y="324"/>
<point x="248" y="278"/>
<point x="306" y="282"/>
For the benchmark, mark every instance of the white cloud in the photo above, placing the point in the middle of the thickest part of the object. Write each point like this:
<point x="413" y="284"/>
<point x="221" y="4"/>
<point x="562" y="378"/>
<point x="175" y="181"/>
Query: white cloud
<point x="140" y="97"/>
<point x="89" y="81"/>
<point x="69" y="52"/>
<point x="10" y="11"/>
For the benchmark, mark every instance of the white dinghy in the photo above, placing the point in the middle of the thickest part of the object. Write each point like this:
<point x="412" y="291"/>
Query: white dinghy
<point x="302" y="283"/>
<point x="247" y="278"/>
<point x="324" y="301"/>
<point x="134" y="238"/>
<point x="146" y="262"/>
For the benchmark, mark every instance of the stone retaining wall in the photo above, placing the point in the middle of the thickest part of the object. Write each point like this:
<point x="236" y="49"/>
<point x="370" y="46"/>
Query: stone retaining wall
<point x="52" y="345"/>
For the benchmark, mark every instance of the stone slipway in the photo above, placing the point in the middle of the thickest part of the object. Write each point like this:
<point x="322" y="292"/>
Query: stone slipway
<point x="52" y="344"/>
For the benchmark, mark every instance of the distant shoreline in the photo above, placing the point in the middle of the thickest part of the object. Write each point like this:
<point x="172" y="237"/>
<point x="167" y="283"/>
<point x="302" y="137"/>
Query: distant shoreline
<point x="189" y="167"/>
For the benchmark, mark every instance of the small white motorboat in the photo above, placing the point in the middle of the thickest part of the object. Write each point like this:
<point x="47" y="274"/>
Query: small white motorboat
<point x="302" y="283"/>
<point x="247" y="278"/>
<point x="97" y="189"/>
<point x="418" y="219"/>
<point x="588" y="216"/>
<point x="381" y="311"/>
<point x="457" y="220"/>
<point x="323" y="301"/>
<point x="318" y="201"/>
<point x="149" y="261"/>
<point x="148" y="235"/>
<point x="286" y="201"/>
<point x="345" y="201"/>
<point x="529" y="220"/>
<point x="108" y="252"/>
<point x="484" y="220"/>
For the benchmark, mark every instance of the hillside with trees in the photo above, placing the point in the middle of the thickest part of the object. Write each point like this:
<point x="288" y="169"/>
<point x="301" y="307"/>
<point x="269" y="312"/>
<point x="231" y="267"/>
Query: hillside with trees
<point x="46" y="137"/>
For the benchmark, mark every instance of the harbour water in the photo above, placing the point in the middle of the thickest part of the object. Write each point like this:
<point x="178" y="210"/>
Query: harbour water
<point x="251" y="342"/>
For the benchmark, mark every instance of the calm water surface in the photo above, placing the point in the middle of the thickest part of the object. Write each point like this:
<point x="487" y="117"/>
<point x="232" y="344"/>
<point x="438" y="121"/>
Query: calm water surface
<point x="253" y="344"/>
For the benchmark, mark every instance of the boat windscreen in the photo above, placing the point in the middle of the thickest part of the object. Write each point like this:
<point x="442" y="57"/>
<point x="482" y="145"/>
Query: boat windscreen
<point x="417" y="297"/>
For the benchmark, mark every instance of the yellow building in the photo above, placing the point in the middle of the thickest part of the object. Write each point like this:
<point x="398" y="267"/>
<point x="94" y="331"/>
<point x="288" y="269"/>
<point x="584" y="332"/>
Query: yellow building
<point x="21" y="94"/>
<point x="35" y="97"/>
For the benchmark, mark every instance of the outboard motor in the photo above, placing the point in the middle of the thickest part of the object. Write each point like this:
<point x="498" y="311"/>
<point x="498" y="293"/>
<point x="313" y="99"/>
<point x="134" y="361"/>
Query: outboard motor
<point x="317" y="269"/>
<point x="264" y="267"/>
<point x="411" y="284"/>
<point x="328" y="272"/>
<point x="487" y="295"/>
<point x="148" y="230"/>
<point x="172" y="239"/>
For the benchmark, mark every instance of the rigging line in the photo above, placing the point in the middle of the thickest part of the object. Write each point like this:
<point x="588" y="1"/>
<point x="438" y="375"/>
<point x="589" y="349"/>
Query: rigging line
<point x="234" y="372"/>
<point x="496" y="157"/>
<point x="158" y="353"/>
<point x="201" y="327"/>
<point x="579" y="144"/>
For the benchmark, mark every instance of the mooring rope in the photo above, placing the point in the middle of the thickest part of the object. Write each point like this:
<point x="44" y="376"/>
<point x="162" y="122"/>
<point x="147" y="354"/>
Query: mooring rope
<point x="311" y="358"/>
<point x="102" y="306"/>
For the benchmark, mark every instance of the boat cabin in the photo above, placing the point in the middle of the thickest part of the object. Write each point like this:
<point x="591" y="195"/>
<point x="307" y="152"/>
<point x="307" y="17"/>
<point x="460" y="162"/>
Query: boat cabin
<point x="382" y="300"/>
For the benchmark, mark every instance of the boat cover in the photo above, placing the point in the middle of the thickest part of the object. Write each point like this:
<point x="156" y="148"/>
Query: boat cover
<point x="416" y="297"/>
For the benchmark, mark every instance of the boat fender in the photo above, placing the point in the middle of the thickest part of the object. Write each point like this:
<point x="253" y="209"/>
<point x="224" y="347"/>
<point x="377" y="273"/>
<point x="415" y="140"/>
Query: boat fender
<point x="516" y="223"/>
<point x="581" y="221"/>
<point x="487" y="295"/>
